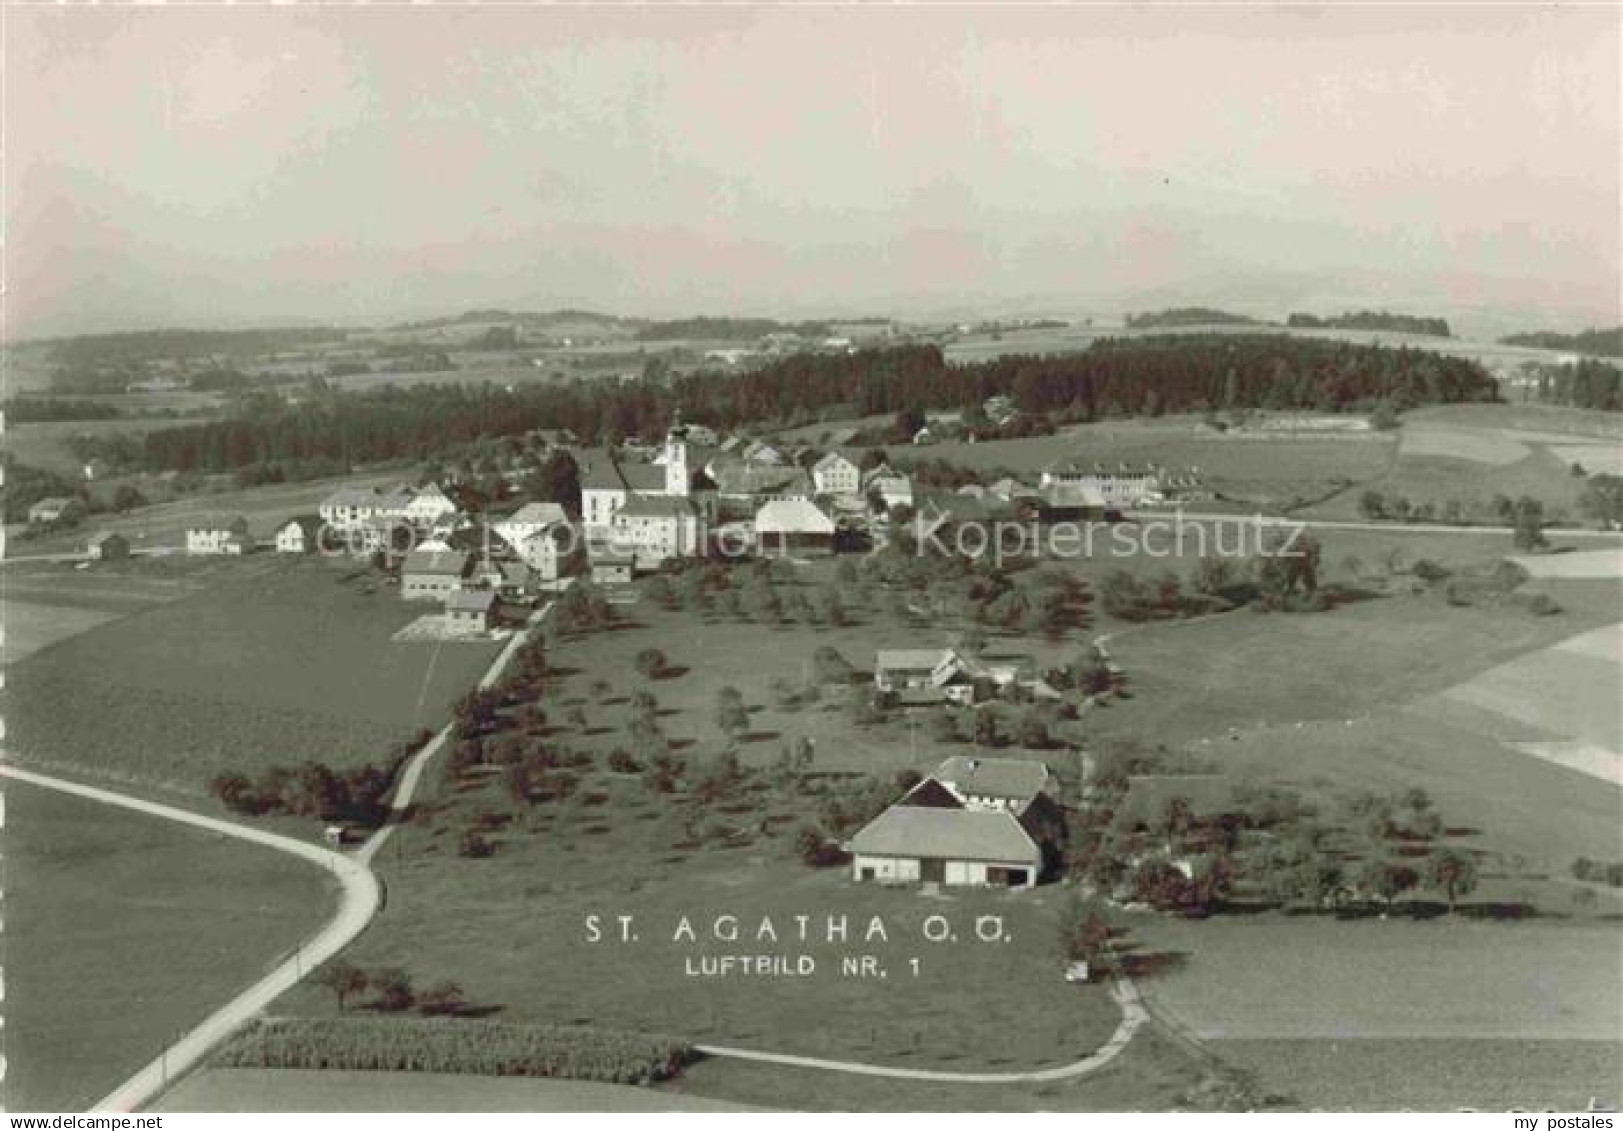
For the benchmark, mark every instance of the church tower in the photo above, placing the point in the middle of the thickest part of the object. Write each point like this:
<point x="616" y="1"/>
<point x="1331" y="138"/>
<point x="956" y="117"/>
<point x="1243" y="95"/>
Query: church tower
<point x="678" y="480"/>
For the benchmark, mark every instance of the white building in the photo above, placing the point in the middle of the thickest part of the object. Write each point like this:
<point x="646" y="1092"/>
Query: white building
<point x="298" y="536"/>
<point x="960" y="847"/>
<point x="528" y="520"/>
<point x="230" y="539"/>
<point x="428" y="507"/>
<point x="1118" y="488"/>
<point x="834" y="474"/>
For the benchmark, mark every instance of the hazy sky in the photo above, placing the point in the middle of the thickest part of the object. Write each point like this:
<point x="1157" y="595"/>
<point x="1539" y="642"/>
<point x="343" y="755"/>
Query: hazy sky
<point x="197" y="167"/>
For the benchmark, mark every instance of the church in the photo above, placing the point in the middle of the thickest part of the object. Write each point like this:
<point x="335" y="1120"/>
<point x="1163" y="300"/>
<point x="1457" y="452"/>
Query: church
<point x="650" y="511"/>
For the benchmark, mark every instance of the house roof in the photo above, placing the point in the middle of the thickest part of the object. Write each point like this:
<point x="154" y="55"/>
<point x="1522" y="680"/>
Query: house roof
<point x="1073" y="495"/>
<point x="542" y="513"/>
<point x="103" y="536"/>
<point x="831" y="460"/>
<point x="792" y="516"/>
<point x="308" y="524"/>
<point x="1010" y="778"/>
<point x="470" y="601"/>
<point x="437" y="562"/>
<point x="909" y="659"/>
<point x="756" y="479"/>
<point x="55" y="502"/>
<point x="990" y="835"/>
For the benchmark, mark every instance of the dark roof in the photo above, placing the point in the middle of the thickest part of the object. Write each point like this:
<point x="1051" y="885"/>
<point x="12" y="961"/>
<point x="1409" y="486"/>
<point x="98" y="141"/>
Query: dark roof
<point x="657" y="506"/>
<point x="989" y="835"/>
<point x="611" y="475"/>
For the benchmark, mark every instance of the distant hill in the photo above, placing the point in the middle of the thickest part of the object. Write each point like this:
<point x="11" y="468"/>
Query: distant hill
<point x="1187" y="316"/>
<point x="540" y="320"/>
<point x="729" y="329"/>
<point x="1596" y="343"/>
<point x="1373" y="320"/>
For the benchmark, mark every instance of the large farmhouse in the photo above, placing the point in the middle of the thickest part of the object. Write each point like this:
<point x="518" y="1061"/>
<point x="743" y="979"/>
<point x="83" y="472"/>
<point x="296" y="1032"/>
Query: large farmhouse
<point x="793" y="526"/>
<point x="973" y="822"/>
<point x="432" y="574"/>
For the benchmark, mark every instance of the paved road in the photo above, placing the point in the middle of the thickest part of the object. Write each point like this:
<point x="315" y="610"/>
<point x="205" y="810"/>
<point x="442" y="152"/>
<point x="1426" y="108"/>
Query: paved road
<point x="1133" y="1015"/>
<point x="361" y="896"/>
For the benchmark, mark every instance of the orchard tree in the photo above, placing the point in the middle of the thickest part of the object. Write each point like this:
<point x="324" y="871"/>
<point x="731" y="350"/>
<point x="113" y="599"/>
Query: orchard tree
<point x="1453" y="873"/>
<point x="343" y="979"/>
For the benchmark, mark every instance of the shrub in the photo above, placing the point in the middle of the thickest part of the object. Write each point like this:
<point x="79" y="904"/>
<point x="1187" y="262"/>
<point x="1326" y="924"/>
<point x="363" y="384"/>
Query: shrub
<point x="475" y="845"/>
<point x="393" y="987"/>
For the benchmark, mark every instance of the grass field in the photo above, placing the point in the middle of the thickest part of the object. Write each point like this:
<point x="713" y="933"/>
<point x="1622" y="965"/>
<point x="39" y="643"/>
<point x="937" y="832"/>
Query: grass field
<point x="42" y="604"/>
<point x="276" y="661"/>
<point x="1388" y="1015"/>
<point x="122" y="930"/>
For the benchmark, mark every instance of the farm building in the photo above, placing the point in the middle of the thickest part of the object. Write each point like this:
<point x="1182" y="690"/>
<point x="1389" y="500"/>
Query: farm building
<point x="918" y="676"/>
<point x="108" y="546"/>
<point x="656" y="528"/>
<point x="927" y="844"/>
<point x="1119" y="488"/>
<point x="219" y="538"/>
<point x="793" y="526"/>
<point x="470" y="610"/>
<point x="430" y="574"/>
<point x="428" y="506"/>
<point x="57" y="508"/>
<point x="1072" y="502"/>
<point x="299" y="535"/>
<point x="893" y="488"/>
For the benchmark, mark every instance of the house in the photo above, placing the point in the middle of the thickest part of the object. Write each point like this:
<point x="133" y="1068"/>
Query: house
<point x="834" y="474"/>
<point x="56" y="508"/>
<point x="529" y="519"/>
<point x="219" y="538"/>
<point x="428" y="507"/>
<point x="548" y="551"/>
<point x="921" y="676"/>
<point x="107" y="546"/>
<point x="298" y="535"/>
<point x="609" y="568"/>
<point x="1000" y="409"/>
<point x="760" y="452"/>
<point x="426" y="574"/>
<point x="468" y="610"/>
<point x="793" y="526"/>
<point x="752" y="484"/>
<point x="892" y="487"/>
<point x="993" y="783"/>
<point x="954" y="846"/>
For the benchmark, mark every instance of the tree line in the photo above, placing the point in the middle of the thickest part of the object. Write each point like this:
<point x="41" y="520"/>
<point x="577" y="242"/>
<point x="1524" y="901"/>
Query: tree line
<point x="1373" y="320"/>
<point x="1600" y="343"/>
<point x="1114" y="377"/>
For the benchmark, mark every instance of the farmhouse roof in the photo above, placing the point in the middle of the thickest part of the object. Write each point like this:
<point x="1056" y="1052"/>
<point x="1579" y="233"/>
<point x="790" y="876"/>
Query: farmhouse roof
<point x="438" y="563"/>
<point x="470" y="601"/>
<point x="1009" y="778"/>
<point x="757" y="479"/>
<point x="792" y="516"/>
<point x="908" y="659"/>
<point x="990" y="835"/>
<point x="1073" y="495"/>
<point x="309" y="525"/>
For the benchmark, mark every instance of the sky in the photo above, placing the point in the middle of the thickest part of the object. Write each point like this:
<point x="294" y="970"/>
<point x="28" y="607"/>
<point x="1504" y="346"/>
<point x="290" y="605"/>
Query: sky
<point x="253" y="166"/>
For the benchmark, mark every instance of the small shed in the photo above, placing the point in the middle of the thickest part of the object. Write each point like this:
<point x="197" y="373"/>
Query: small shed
<point x="108" y="546"/>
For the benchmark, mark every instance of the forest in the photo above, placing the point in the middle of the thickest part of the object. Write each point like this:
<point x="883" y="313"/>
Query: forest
<point x="1373" y="320"/>
<point x="1187" y="316"/>
<point x="1113" y="378"/>
<point x="1598" y="343"/>
<point x="1587" y="384"/>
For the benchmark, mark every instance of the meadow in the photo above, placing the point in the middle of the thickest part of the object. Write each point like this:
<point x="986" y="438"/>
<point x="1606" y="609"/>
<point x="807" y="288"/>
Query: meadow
<point x="123" y="930"/>
<point x="1398" y="1015"/>
<point x="275" y="661"/>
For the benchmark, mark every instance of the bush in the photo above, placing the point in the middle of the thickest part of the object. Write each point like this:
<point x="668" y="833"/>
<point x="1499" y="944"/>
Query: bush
<point x="484" y="1048"/>
<point x="393" y="987"/>
<point x="475" y="845"/>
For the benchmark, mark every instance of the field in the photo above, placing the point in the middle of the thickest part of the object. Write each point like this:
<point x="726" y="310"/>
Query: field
<point x="122" y="930"/>
<point x="44" y="604"/>
<point x="275" y="661"/>
<point x="1400" y="1014"/>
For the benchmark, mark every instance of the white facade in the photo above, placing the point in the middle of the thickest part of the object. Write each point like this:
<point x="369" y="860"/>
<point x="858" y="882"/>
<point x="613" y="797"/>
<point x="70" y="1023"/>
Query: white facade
<point x="214" y="540"/>
<point x="953" y="873"/>
<point x="836" y="475"/>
